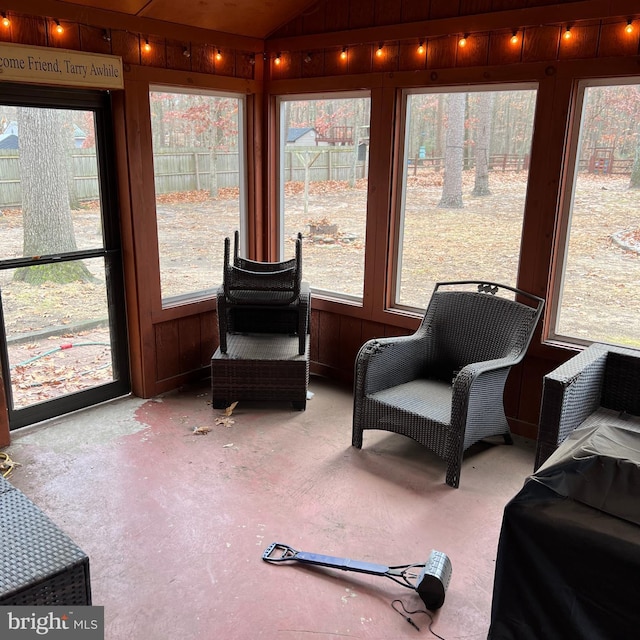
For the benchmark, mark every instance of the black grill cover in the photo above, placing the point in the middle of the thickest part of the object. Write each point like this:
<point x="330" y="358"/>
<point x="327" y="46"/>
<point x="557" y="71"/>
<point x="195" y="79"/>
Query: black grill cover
<point x="568" y="563"/>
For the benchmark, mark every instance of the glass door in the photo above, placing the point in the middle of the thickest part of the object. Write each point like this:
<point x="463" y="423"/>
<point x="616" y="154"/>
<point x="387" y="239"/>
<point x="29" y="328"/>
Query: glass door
<point x="62" y="314"/>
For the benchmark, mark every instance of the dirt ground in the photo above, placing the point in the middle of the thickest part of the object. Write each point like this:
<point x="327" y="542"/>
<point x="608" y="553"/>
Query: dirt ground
<point x="601" y="296"/>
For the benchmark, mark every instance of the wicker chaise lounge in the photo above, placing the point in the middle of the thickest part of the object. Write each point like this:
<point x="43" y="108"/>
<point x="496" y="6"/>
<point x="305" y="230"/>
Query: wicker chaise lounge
<point x="443" y="385"/>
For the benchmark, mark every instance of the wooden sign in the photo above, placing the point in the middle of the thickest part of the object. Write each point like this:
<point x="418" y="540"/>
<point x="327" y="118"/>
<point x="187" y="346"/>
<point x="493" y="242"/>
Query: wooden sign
<point x="45" y="65"/>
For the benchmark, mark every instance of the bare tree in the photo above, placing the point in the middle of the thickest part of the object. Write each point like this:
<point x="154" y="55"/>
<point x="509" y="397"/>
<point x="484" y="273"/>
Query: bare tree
<point x="452" y="182"/>
<point x="47" y="222"/>
<point x="483" y="143"/>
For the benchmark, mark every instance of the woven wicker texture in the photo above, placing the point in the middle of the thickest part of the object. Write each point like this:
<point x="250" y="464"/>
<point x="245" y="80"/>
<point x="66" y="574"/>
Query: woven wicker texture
<point x="40" y="564"/>
<point x="443" y="385"/>
<point x="263" y="297"/>
<point x="260" y="367"/>
<point x="600" y="384"/>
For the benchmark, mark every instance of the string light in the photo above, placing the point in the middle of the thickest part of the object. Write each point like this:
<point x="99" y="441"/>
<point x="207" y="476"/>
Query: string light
<point x="146" y="46"/>
<point x="59" y="28"/>
<point x="629" y="27"/>
<point x="185" y="52"/>
<point x="5" y="21"/>
<point x="278" y="60"/>
<point x="379" y="51"/>
<point x="307" y="58"/>
<point x="567" y="34"/>
<point x="218" y="55"/>
<point x="514" y="38"/>
<point x="343" y="53"/>
<point x="463" y="41"/>
<point x="421" y="47"/>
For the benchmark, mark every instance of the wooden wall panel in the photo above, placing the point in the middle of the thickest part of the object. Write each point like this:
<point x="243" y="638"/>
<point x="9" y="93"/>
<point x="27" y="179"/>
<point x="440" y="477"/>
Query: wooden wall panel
<point x="441" y="52"/>
<point x="387" y="12"/>
<point x="95" y="39"/>
<point x="582" y="44"/>
<point x="474" y="53"/>
<point x="190" y="343"/>
<point x="176" y="58"/>
<point x="167" y="349"/>
<point x="388" y="61"/>
<point x="29" y="30"/>
<point x="126" y="45"/>
<point x="203" y="58"/>
<point x="208" y="337"/>
<point x="360" y="14"/>
<point x="502" y="51"/>
<point x="540" y="43"/>
<point x="615" y="41"/>
<point x="69" y="39"/>
<point x="336" y="15"/>
<point x="416" y="11"/>
<point x="448" y="9"/>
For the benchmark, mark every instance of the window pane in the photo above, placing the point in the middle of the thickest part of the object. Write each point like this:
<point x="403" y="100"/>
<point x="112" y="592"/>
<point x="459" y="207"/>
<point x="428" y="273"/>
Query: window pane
<point x="41" y="326"/>
<point x="324" y="168"/>
<point x="56" y="148"/>
<point x="464" y="186"/>
<point x="600" y="296"/>
<point x="200" y="186"/>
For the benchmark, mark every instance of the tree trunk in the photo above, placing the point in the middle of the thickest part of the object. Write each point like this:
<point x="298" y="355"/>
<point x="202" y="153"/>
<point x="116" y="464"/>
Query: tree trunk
<point x="634" y="182"/>
<point x="47" y="222"/>
<point x="483" y="143"/>
<point x="452" y="183"/>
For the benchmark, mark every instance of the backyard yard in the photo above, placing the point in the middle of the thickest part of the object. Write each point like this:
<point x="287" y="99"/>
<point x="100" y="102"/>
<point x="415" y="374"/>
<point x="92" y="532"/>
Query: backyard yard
<point x="601" y="296"/>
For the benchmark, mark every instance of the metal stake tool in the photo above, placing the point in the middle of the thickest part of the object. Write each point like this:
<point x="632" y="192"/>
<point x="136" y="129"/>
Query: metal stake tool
<point x="431" y="583"/>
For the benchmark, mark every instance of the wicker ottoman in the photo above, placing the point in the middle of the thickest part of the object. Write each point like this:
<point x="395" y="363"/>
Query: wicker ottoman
<point x="40" y="564"/>
<point x="260" y="367"/>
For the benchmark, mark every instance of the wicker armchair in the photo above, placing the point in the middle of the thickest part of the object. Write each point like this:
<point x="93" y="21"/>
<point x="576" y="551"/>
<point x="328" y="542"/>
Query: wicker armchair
<point x="263" y="297"/>
<point x="443" y="385"/>
<point x="600" y="385"/>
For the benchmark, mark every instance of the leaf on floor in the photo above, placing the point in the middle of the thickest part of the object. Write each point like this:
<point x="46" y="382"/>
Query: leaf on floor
<point x="225" y="421"/>
<point x="229" y="410"/>
<point x="202" y="430"/>
<point x="7" y="465"/>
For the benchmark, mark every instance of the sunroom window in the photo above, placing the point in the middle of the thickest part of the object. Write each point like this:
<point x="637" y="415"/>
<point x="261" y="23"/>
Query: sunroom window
<point x="200" y="185"/>
<point x="324" y="165"/>
<point x="596" y="294"/>
<point x="463" y="187"/>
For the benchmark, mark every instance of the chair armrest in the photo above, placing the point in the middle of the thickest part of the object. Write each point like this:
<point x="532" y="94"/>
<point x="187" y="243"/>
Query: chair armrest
<point x="386" y="362"/>
<point x="570" y="394"/>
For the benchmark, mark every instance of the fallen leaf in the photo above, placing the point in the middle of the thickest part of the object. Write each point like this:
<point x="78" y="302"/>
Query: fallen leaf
<point x="229" y="410"/>
<point x="202" y="430"/>
<point x="227" y="422"/>
<point x="226" y="446"/>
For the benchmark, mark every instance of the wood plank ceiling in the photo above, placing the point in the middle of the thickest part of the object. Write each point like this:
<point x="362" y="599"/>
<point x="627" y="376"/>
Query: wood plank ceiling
<point x="252" y="18"/>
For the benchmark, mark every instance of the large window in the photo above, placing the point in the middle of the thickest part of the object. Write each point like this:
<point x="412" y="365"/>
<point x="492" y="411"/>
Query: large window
<point x="198" y="142"/>
<point x="324" y="162"/>
<point x="597" y="292"/>
<point x="464" y="183"/>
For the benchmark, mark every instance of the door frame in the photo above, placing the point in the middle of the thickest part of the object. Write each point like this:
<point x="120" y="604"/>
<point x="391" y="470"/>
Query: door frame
<point x="99" y="102"/>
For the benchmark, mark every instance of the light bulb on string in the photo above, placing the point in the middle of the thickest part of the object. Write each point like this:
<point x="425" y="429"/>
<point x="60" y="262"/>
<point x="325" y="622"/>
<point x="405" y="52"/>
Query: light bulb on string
<point x="463" y="41"/>
<point x="379" y="51"/>
<point x="421" y="47"/>
<point x="343" y="53"/>
<point x="629" y="27"/>
<point x="5" y="21"/>
<point x="277" y="60"/>
<point x="567" y="34"/>
<point x="59" y="28"/>
<point x="146" y="46"/>
<point x="514" y="38"/>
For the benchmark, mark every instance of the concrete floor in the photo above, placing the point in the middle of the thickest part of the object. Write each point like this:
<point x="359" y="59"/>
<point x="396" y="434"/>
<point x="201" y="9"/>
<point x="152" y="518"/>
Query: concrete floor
<point x="175" y="524"/>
